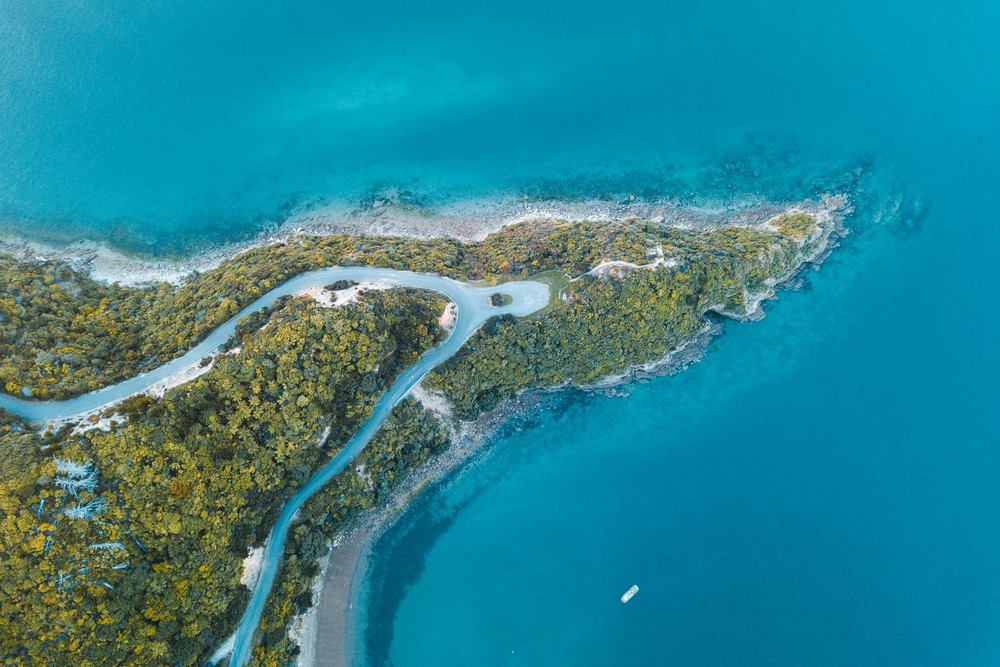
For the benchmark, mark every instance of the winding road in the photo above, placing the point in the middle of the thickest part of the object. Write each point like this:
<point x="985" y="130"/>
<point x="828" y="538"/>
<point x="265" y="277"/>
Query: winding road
<point x="474" y="308"/>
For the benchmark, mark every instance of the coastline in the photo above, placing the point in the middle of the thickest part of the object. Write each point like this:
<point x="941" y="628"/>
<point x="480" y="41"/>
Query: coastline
<point x="331" y="626"/>
<point x="467" y="220"/>
<point x="337" y="606"/>
<point x="334" y="594"/>
<point x="342" y="576"/>
<point x="337" y="589"/>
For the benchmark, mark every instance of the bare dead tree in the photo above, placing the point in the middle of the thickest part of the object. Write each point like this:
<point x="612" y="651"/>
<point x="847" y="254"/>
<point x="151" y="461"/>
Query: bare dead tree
<point x="73" y="469"/>
<point x="86" y="510"/>
<point x="74" y="485"/>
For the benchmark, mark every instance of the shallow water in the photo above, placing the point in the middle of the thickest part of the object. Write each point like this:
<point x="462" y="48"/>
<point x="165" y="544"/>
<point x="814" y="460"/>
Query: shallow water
<point x="821" y="489"/>
<point x="177" y="123"/>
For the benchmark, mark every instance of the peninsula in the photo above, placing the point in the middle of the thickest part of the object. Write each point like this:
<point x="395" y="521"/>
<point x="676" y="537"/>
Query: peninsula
<point x="152" y="436"/>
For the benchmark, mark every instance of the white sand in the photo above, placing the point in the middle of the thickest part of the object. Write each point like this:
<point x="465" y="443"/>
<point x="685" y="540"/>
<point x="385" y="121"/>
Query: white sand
<point x="102" y="424"/>
<point x="616" y="268"/>
<point x="350" y="295"/>
<point x="321" y="295"/>
<point x="182" y="376"/>
<point x="334" y="299"/>
<point x="434" y="401"/>
<point x="448" y="317"/>
<point x="251" y="567"/>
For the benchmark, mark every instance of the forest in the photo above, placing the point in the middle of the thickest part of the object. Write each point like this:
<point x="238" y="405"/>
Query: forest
<point x="605" y="325"/>
<point x="63" y="334"/>
<point x="122" y="543"/>
<point x="124" y="546"/>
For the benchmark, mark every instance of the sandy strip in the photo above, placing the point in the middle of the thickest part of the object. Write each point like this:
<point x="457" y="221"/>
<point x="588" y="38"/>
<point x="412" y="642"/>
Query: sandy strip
<point x="334" y="299"/>
<point x="251" y="567"/>
<point x="328" y="628"/>
<point x="327" y="631"/>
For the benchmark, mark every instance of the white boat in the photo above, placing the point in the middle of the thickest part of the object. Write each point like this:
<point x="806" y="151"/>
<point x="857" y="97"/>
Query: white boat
<point x="630" y="593"/>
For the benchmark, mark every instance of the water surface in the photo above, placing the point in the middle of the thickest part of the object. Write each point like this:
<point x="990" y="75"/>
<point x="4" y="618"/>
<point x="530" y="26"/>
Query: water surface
<point x="821" y="489"/>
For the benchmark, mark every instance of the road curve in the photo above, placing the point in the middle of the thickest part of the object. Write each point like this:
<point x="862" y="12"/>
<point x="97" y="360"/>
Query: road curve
<point x="474" y="308"/>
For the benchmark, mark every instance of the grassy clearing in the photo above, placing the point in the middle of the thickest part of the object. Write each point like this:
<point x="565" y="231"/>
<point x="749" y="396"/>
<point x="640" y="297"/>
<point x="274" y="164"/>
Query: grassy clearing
<point x="558" y="282"/>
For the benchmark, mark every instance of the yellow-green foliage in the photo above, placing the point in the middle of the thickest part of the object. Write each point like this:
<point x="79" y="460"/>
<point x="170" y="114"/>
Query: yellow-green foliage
<point x="62" y="334"/>
<point x="796" y="225"/>
<point x="409" y="438"/>
<point x="189" y="482"/>
<point x="605" y="325"/>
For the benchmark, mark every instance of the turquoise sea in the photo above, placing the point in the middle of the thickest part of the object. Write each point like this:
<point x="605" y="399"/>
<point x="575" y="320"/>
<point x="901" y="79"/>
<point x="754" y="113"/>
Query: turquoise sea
<point x="822" y="488"/>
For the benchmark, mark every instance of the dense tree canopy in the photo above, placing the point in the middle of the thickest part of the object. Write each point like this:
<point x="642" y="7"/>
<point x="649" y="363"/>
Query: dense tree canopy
<point x="623" y="317"/>
<point x="63" y="334"/>
<point x="182" y="486"/>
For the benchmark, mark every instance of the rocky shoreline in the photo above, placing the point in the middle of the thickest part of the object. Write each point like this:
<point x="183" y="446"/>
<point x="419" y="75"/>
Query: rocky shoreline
<point x="337" y="603"/>
<point x="468" y="220"/>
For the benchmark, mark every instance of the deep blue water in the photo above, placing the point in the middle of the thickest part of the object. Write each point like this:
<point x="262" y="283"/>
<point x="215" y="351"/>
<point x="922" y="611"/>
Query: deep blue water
<point x="820" y="489"/>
